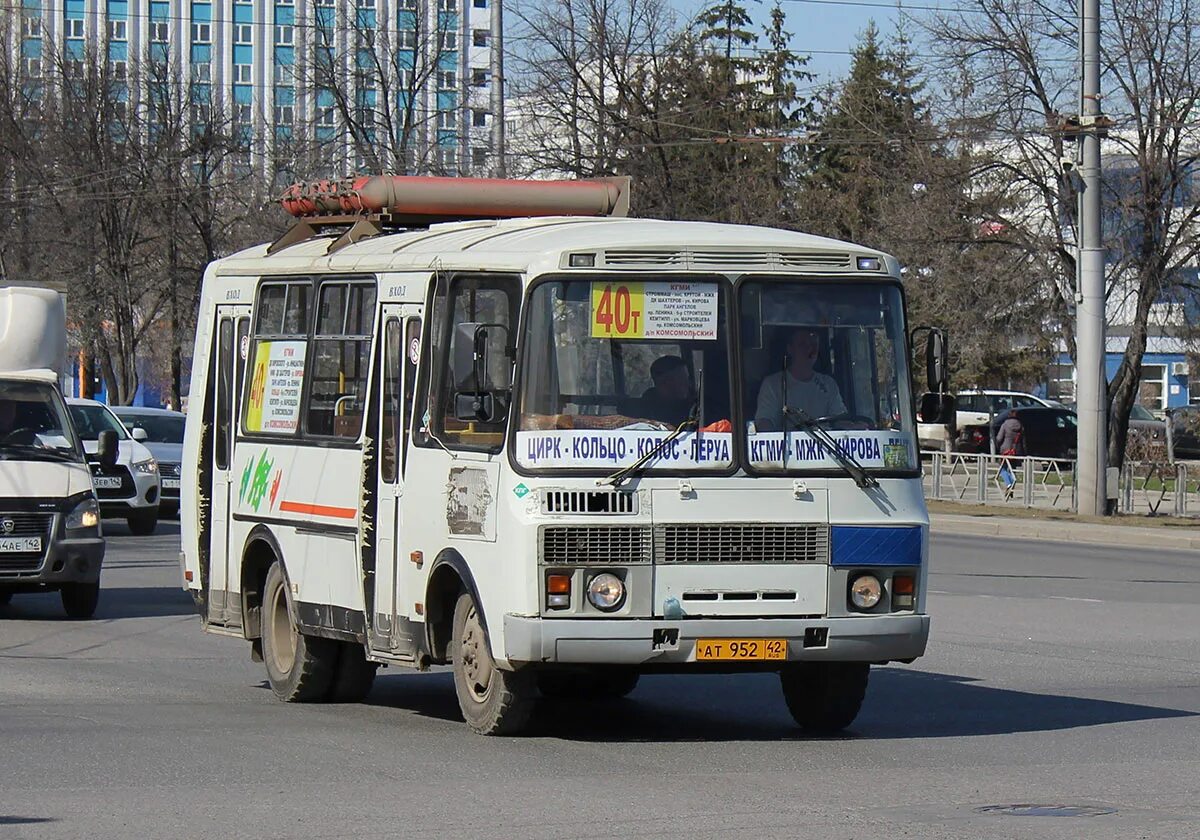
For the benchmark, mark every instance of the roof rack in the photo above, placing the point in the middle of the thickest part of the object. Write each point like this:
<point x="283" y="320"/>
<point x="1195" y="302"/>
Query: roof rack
<point x="368" y="205"/>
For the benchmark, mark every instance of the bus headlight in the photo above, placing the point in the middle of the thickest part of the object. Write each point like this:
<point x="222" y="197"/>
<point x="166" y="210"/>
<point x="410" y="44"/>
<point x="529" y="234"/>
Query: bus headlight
<point x="606" y="592"/>
<point x="865" y="591"/>
<point x="84" y="519"/>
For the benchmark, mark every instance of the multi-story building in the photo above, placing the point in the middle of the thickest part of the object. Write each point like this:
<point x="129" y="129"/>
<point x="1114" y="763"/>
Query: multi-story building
<point x="401" y="85"/>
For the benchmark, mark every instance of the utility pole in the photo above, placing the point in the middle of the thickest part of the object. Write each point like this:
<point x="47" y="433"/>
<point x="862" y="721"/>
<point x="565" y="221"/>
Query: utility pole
<point x="1089" y="296"/>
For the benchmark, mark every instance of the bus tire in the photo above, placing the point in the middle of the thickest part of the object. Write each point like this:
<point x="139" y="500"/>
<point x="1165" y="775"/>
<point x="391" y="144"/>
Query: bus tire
<point x="493" y="701"/>
<point x="354" y="676"/>
<point x="300" y="668"/>
<point x="825" y="697"/>
<point x="79" y="600"/>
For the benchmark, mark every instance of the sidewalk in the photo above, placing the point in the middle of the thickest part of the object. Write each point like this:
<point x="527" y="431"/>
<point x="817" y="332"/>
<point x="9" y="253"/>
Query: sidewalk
<point x="1064" y="528"/>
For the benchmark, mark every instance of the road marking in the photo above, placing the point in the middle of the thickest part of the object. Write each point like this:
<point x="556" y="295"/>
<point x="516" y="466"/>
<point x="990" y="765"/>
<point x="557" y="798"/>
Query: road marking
<point x="1068" y="598"/>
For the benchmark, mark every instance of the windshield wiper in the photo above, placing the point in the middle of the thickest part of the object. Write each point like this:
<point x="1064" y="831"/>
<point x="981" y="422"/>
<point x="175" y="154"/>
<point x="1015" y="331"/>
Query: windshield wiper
<point x="810" y="424"/>
<point x="639" y="466"/>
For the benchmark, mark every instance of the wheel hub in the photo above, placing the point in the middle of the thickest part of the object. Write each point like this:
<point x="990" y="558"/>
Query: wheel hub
<point x="475" y="657"/>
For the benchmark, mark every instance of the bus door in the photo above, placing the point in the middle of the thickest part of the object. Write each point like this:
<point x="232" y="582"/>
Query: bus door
<point x="400" y="339"/>
<point x="233" y="330"/>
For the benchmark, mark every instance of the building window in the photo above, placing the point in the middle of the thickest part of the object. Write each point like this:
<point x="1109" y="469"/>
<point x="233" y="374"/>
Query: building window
<point x="285" y="36"/>
<point x="447" y="5"/>
<point x="285" y="114"/>
<point x="479" y="4"/>
<point x="447" y="119"/>
<point x="33" y="68"/>
<point x="479" y="77"/>
<point x="120" y="109"/>
<point x="285" y="2"/>
<point x="447" y="158"/>
<point x="202" y="72"/>
<point x="241" y="74"/>
<point x="118" y="30"/>
<point x="31" y="26"/>
<point x="407" y="79"/>
<point x="479" y="119"/>
<point x="479" y="158"/>
<point x="406" y="39"/>
<point x="446" y="79"/>
<point x="159" y="32"/>
<point x="243" y="33"/>
<point x="325" y="117"/>
<point x="120" y="70"/>
<point x="285" y="74"/>
<point x="1152" y="392"/>
<point x="447" y="40"/>
<point x="480" y="37"/>
<point x="242" y="113"/>
<point x="74" y="27"/>
<point x="366" y="4"/>
<point x="325" y="2"/>
<point x="407" y="5"/>
<point x="201" y="33"/>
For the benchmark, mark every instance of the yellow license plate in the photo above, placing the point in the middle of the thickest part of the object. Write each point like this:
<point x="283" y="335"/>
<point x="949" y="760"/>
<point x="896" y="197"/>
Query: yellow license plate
<point x="740" y="650"/>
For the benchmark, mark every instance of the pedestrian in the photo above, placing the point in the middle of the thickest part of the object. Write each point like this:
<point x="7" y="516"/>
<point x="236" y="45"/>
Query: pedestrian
<point x="1009" y="443"/>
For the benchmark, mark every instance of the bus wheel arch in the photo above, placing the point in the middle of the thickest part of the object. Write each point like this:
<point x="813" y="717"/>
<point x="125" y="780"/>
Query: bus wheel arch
<point x="261" y="552"/>
<point x="449" y="577"/>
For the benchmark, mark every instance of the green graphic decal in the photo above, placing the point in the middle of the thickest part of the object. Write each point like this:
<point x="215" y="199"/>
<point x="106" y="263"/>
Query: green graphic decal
<point x="895" y="456"/>
<point x="245" y="485"/>
<point x="521" y="491"/>
<point x="261" y="480"/>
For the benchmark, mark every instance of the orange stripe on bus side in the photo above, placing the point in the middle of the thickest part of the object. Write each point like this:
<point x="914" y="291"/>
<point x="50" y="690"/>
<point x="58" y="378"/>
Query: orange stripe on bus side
<point x="317" y="510"/>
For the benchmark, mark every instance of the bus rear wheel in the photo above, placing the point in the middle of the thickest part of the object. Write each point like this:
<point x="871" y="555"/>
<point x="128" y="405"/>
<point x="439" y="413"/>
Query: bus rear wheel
<point x="300" y="668"/>
<point x="825" y="697"/>
<point x="493" y="701"/>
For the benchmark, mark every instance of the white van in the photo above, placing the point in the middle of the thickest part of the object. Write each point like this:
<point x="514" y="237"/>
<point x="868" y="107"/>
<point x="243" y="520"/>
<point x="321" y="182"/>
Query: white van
<point x="49" y="518"/>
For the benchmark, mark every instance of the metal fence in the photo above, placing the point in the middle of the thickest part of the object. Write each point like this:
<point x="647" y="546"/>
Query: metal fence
<point x="1145" y="487"/>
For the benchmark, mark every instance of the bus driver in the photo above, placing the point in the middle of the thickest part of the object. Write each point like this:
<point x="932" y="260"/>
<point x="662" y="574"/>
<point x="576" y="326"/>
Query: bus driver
<point x="806" y="389"/>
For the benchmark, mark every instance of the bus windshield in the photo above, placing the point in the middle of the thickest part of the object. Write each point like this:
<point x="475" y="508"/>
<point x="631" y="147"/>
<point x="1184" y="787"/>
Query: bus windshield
<point x="830" y="352"/>
<point x="612" y="367"/>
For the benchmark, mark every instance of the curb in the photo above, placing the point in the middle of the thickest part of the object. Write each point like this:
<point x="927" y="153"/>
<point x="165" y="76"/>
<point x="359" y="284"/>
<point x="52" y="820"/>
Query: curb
<point x="1073" y="532"/>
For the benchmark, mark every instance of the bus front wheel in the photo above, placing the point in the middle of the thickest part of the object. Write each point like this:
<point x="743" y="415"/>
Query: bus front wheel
<point x="824" y="697"/>
<point x="300" y="668"/>
<point x="493" y="701"/>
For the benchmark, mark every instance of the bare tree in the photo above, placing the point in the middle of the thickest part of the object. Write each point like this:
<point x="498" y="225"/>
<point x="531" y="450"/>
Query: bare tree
<point x="1022" y="58"/>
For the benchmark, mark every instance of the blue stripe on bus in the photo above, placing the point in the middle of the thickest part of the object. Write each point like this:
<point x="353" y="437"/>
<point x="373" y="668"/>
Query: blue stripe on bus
<point x="859" y="545"/>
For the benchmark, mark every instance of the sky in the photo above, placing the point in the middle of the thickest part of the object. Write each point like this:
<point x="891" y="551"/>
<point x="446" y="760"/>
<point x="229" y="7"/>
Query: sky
<point x="825" y="31"/>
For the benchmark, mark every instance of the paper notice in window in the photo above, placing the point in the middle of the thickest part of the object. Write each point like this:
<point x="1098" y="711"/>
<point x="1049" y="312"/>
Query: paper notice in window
<point x="672" y="310"/>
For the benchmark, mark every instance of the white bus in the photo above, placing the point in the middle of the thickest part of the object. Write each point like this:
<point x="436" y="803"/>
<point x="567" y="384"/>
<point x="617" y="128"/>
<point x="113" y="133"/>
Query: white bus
<point x="553" y="451"/>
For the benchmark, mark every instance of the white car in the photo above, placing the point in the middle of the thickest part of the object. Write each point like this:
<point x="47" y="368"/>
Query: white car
<point x="130" y="488"/>
<point x="978" y="408"/>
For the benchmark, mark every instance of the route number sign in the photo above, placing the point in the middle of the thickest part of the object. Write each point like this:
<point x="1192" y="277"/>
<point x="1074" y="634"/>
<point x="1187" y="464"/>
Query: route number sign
<point x="663" y="310"/>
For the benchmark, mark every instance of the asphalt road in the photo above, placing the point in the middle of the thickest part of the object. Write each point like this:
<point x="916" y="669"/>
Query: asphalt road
<point x="1057" y="675"/>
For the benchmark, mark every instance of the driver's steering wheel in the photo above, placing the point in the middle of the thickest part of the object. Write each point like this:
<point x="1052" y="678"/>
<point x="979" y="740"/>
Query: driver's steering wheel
<point x="29" y="439"/>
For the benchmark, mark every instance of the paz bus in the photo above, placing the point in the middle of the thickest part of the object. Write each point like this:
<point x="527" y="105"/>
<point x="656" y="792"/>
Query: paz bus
<point x="498" y="425"/>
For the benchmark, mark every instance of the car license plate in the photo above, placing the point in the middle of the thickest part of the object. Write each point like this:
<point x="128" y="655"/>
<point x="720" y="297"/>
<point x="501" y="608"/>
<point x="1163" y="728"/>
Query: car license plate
<point x="740" y="650"/>
<point x="20" y="544"/>
<point x="170" y="483"/>
<point x="106" y="482"/>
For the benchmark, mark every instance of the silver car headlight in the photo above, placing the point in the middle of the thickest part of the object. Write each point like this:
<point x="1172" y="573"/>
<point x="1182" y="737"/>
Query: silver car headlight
<point x="147" y="467"/>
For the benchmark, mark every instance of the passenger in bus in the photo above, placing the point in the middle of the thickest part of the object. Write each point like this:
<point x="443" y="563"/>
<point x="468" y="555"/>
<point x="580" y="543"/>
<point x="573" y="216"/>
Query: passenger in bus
<point x="804" y="388"/>
<point x="671" y="398"/>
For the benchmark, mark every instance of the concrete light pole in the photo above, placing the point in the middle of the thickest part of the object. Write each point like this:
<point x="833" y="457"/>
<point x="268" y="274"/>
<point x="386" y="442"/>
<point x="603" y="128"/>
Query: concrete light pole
<point x="1089" y="296"/>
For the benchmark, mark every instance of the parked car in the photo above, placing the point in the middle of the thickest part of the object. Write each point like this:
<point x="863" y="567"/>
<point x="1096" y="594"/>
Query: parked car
<point x="1142" y="422"/>
<point x="162" y="433"/>
<point x="974" y="408"/>
<point x="1048" y="433"/>
<point x="1185" y="430"/>
<point x="129" y="488"/>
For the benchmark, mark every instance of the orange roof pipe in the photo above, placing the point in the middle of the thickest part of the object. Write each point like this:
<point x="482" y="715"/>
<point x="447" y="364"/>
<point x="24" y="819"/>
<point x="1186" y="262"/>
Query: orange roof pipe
<point x="457" y="198"/>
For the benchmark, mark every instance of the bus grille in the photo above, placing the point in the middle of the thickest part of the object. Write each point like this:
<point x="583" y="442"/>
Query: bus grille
<point x="588" y="501"/>
<point x="741" y="543"/>
<point x="576" y="544"/>
<point x="24" y="525"/>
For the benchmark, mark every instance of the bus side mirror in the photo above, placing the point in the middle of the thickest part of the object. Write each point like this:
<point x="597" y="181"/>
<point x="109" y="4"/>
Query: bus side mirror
<point x="479" y="407"/>
<point x="937" y="361"/>
<point x="106" y="448"/>
<point x="940" y="409"/>
<point x="476" y="346"/>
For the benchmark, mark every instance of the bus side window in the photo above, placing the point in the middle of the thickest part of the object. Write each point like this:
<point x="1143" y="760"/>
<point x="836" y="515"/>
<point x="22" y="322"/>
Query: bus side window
<point x="390" y="446"/>
<point x="224" y="408"/>
<point x="341" y="352"/>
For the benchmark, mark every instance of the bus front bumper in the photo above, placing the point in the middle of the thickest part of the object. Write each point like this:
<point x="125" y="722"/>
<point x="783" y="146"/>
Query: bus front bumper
<point x="654" y="642"/>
